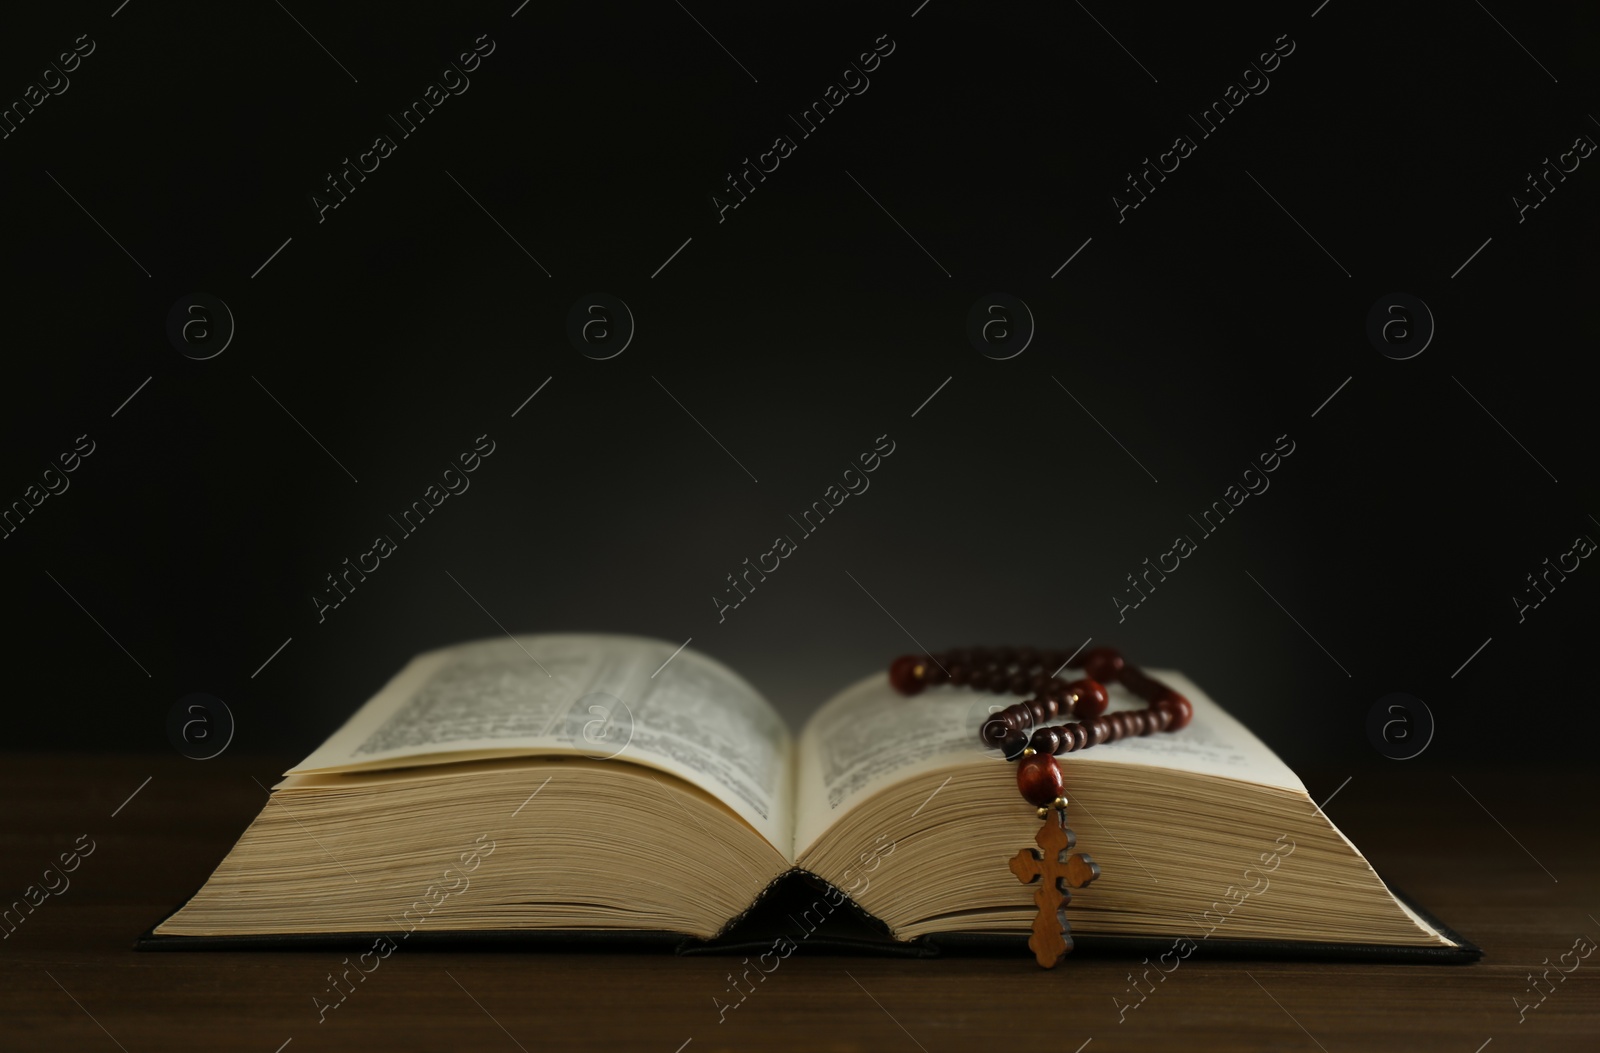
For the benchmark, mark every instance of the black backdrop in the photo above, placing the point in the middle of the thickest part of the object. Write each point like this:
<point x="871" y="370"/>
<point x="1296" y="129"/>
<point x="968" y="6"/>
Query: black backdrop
<point x="777" y="344"/>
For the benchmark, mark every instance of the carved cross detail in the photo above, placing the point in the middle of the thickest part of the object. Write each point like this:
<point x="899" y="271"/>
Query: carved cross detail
<point x="1055" y="872"/>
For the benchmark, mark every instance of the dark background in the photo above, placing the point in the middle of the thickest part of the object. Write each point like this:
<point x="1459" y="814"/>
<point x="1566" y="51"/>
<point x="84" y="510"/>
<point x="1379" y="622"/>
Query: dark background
<point x="797" y="331"/>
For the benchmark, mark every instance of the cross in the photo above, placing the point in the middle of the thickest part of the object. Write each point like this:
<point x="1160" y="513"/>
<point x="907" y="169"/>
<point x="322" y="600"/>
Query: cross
<point x="1052" y="937"/>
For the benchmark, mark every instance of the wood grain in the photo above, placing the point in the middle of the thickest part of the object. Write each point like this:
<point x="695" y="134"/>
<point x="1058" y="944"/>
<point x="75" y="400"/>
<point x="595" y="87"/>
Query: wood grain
<point x="1056" y="875"/>
<point x="69" y="980"/>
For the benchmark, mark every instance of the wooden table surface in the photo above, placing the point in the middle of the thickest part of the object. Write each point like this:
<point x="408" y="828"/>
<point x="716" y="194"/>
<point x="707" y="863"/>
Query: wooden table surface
<point x="69" y="979"/>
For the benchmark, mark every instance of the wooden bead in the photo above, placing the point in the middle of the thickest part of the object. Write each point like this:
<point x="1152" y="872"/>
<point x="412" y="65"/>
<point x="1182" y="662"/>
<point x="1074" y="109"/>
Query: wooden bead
<point x="906" y="674"/>
<point x="1039" y="779"/>
<point x="993" y="731"/>
<point x="1135" y="681"/>
<point x="1026" y="671"/>
<point x="1101" y="663"/>
<point x="1091" y="698"/>
<point x="1046" y="740"/>
<point x="1181" y="708"/>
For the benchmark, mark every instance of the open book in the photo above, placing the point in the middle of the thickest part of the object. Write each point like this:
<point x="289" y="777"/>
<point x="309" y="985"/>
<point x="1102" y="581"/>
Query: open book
<point x="580" y="782"/>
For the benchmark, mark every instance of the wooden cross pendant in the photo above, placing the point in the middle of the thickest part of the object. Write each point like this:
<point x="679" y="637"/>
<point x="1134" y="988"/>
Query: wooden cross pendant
<point x="1055" y="872"/>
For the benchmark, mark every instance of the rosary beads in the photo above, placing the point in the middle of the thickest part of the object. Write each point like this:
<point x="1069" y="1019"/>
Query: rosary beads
<point x="1022" y="671"/>
<point x="1022" y="732"/>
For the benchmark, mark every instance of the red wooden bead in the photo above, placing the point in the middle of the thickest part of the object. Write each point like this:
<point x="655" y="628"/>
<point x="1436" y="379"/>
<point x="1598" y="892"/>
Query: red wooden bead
<point x="1181" y="708"/>
<point x="994" y="730"/>
<point x="1019" y="683"/>
<point x="1101" y="663"/>
<point x="1092" y="699"/>
<point x="959" y="673"/>
<point x="1039" y="779"/>
<point x="906" y="674"/>
<point x="978" y="679"/>
<point x="1135" y="681"/>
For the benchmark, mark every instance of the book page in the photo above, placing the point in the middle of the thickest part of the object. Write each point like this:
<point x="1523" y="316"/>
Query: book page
<point x="598" y="696"/>
<point x="869" y="736"/>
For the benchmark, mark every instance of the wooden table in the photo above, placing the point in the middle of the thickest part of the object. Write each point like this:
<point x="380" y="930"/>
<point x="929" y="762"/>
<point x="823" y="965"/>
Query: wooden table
<point x="69" y="980"/>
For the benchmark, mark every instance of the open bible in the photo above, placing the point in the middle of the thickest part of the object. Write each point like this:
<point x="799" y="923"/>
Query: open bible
<point x="563" y="784"/>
